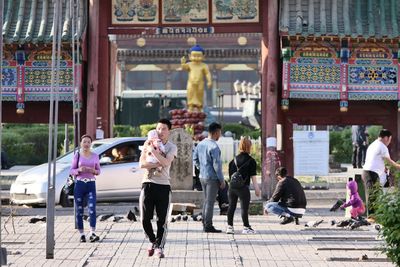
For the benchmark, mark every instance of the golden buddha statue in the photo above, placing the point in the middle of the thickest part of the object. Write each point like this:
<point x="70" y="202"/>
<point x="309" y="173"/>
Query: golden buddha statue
<point x="197" y="71"/>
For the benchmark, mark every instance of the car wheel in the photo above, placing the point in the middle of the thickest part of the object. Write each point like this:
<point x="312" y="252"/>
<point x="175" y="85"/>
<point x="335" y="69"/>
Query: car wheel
<point x="65" y="201"/>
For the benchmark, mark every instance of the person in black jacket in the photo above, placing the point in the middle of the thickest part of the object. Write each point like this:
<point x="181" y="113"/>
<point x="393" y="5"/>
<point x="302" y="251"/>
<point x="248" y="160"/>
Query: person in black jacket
<point x="247" y="168"/>
<point x="288" y="199"/>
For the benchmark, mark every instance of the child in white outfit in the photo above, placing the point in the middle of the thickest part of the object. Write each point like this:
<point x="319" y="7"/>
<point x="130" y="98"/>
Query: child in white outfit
<point x="152" y="136"/>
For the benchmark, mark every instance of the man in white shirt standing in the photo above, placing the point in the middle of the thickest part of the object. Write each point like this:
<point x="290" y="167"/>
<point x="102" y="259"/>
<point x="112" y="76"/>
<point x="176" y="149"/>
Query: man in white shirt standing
<point x="374" y="167"/>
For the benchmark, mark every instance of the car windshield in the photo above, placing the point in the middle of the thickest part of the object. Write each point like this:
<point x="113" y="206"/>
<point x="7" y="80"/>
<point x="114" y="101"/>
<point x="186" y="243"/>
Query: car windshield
<point x="67" y="158"/>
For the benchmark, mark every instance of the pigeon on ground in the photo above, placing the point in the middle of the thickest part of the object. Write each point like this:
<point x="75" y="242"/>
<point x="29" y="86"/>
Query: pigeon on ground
<point x="314" y="223"/>
<point x="104" y="217"/>
<point x="37" y="219"/>
<point x="117" y="218"/>
<point x="131" y="216"/>
<point x="344" y="223"/>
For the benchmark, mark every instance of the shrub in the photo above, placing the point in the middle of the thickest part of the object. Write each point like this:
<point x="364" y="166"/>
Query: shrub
<point x="121" y="130"/>
<point x="388" y="216"/>
<point x="340" y="145"/>
<point x="126" y="131"/>
<point x="240" y="130"/>
<point x="145" y="128"/>
<point x="27" y="144"/>
<point x="256" y="154"/>
<point x="373" y="132"/>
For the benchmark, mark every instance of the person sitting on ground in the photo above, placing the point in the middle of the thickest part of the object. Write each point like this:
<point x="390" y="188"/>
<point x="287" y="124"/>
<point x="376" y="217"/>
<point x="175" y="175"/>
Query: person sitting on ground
<point x="356" y="203"/>
<point x="288" y="199"/>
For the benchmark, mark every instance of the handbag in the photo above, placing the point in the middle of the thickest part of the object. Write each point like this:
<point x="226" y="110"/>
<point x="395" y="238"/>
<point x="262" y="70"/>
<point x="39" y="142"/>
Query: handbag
<point x="236" y="180"/>
<point x="69" y="186"/>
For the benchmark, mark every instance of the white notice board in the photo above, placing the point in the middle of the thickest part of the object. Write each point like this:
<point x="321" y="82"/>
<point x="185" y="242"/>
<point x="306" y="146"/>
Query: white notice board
<point x="311" y="152"/>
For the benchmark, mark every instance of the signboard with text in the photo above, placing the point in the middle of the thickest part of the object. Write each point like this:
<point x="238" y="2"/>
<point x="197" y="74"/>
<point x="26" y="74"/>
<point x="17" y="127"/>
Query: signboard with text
<point x="311" y="152"/>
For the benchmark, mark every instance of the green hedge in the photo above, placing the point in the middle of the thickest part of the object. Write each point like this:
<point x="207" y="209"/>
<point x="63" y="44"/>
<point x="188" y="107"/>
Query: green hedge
<point x="28" y="144"/>
<point x="340" y="145"/>
<point x="145" y="128"/>
<point x="387" y="214"/>
<point x="126" y="131"/>
<point x="240" y="130"/>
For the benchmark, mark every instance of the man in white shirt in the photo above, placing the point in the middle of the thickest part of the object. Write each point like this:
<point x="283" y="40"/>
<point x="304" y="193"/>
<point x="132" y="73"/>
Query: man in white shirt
<point x="374" y="167"/>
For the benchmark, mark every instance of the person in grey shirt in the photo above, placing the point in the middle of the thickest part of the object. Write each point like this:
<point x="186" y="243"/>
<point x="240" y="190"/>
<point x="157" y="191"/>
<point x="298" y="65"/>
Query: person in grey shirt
<point x="207" y="158"/>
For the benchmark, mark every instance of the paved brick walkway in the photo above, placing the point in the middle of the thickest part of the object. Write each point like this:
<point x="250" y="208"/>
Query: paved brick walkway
<point x="123" y="243"/>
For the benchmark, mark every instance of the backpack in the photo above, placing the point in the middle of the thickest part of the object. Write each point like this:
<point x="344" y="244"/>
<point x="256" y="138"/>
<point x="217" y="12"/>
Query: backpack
<point x="237" y="180"/>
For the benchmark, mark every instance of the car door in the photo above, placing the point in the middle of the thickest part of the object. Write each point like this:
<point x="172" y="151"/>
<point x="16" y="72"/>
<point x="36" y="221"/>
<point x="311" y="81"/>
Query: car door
<point x="120" y="178"/>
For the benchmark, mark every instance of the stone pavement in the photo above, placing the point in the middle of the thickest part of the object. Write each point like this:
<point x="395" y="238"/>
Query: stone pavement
<point x="123" y="244"/>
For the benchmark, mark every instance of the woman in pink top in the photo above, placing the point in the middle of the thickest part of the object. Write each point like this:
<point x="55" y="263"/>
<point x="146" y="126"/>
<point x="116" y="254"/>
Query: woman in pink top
<point x="85" y="166"/>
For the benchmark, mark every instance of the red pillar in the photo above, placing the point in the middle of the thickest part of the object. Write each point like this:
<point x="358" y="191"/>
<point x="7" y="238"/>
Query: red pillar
<point x="98" y="82"/>
<point x="93" y="67"/>
<point x="105" y="96"/>
<point x="270" y="82"/>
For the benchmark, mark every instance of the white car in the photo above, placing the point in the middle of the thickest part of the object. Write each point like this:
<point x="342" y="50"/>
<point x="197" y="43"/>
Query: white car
<point x="119" y="180"/>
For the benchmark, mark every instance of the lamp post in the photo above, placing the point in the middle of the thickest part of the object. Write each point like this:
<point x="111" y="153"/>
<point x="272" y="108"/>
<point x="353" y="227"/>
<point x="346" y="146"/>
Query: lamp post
<point x="53" y="122"/>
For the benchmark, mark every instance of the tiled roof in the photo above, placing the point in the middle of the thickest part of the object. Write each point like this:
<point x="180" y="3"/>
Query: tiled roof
<point x="352" y="18"/>
<point x="31" y="21"/>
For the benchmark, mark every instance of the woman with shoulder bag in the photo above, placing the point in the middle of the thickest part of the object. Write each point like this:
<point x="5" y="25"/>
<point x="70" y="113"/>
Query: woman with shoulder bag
<point x="246" y="166"/>
<point x="85" y="166"/>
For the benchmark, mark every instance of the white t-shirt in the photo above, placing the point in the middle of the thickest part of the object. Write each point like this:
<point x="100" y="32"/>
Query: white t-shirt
<point x="374" y="160"/>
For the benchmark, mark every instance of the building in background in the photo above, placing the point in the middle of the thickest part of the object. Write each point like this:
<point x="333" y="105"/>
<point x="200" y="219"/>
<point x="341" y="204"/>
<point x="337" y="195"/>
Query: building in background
<point x="27" y="38"/>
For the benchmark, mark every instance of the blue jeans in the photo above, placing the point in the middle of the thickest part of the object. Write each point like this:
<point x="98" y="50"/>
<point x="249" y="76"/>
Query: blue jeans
<point x="81" y="191"/>
<point x="210" y="190"/>
<point x="275" y="208"/>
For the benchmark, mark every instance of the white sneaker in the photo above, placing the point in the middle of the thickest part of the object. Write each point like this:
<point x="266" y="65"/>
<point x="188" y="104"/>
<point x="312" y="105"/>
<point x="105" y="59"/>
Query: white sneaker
<point x="248" y="230"/>
<point x="159" y="253"/>
<point x="229" y="230"/>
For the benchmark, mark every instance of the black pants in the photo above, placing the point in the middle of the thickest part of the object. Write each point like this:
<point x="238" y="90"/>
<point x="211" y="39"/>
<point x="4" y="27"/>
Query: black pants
<point x="373" y="187"/>
<point x="158" y="197"/>
<point x="358" y="157"/>
<point x="244" y="195"/>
